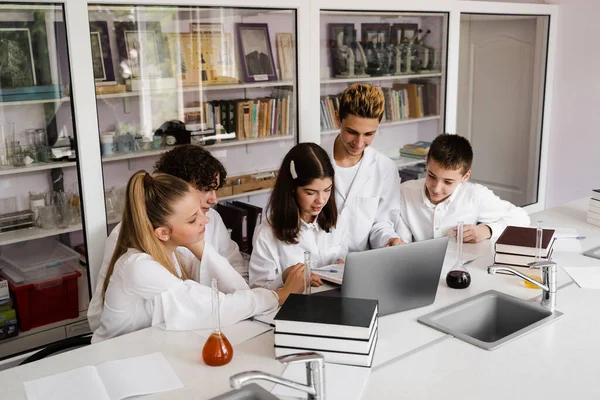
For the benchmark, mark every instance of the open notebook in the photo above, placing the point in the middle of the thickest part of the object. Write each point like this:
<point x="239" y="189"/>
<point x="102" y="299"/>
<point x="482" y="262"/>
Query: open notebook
<point x="112" y="380"/>
<point x="332" y="273"/>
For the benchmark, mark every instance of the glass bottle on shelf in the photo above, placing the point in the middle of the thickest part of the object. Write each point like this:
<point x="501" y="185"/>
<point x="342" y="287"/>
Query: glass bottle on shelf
<point x="533" y="272"/>
<point x="459" y="277"/>
<point x="217" y="350"/>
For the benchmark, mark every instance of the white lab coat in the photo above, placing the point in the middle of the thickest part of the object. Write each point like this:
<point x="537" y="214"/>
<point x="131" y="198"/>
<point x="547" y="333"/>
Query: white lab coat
<point x="271" y="256"/>
<point x="215" y="235"/>
<point x="420" y="219"/>
<point x="366" y="211"/>
<point x="142" y="293"/>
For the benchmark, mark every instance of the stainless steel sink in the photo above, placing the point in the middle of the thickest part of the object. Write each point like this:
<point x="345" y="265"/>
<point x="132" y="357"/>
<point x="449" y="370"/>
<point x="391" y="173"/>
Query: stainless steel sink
<point x="251" y="391"/>
<point x="490" y="319"/>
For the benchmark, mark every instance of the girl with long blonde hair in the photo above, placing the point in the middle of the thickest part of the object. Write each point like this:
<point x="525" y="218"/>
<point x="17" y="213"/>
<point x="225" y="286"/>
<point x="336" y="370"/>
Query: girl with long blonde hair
<point x="161" y="268"/>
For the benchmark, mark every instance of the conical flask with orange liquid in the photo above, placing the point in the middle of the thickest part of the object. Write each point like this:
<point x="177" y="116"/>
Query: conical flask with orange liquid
<point x="217" y="350"/>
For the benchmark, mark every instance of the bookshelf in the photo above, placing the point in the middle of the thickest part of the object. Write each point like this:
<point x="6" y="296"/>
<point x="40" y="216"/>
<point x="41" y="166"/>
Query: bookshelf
<point x="403" y="52"/>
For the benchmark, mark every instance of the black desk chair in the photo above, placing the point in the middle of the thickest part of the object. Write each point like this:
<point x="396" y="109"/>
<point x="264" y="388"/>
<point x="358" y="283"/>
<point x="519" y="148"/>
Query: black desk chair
<point x="59" y="347"/>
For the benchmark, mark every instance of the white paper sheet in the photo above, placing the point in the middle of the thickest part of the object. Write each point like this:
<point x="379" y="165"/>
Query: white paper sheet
<point x="240" y="332"/>
<point x="113" y="380"/>
<point x="565" y="241"/>
<point x="342" y="382"/>
<point x="585" y="277"/>
<point x="80" y="383"/>
<point x="138" y="376"/>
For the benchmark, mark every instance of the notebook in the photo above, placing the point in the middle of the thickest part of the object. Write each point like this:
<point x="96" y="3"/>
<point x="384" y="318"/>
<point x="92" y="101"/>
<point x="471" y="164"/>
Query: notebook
<point x="112" y="380"/>
<point x="333" y="273"/>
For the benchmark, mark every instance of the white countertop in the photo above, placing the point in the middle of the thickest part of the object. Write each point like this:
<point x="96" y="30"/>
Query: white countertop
<point x="412" y="361"/>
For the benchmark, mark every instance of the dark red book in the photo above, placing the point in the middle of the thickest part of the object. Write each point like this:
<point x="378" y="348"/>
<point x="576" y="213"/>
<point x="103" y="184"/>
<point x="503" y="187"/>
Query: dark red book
<point x="521" y="241"/>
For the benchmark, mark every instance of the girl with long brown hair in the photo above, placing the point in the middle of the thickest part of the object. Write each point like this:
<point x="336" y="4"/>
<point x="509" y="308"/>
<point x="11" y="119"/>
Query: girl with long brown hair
<point x="303" y="218"/>
<point x="161" y="266"/>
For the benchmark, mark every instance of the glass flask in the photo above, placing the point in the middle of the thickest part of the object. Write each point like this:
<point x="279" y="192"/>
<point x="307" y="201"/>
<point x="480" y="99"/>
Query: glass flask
<point x="217" y="350"/>
<point x="459" y="277"/>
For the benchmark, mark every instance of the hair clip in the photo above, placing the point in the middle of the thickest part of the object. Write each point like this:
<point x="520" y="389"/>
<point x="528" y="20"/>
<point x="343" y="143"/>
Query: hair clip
<point x="293" y="170"/>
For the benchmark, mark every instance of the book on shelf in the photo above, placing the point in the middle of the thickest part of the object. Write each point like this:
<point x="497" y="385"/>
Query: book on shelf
<point x="245" y="118"/>
<point x="428" y="96"/>
<point x="518" y="259"/>
<point x="336" y="357"/>
<point x="522" y="240"/>
<point x="341" y="317"/>
<point x="418" y="150"/>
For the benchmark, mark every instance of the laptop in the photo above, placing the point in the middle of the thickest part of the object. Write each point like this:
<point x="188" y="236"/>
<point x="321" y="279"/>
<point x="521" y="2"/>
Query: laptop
<point x="399" y="277"/>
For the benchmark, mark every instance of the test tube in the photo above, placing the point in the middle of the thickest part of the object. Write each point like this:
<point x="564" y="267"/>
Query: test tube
<point x="538" y="241"/>
<point x="459" y="243"/>
<point x="307" y="271"/>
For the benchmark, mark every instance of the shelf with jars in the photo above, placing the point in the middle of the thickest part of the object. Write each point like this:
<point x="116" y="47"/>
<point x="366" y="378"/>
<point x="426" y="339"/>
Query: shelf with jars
<point x="402" y="52"/>
<point x="40" y="199"/>
<point x="221" y="77"/>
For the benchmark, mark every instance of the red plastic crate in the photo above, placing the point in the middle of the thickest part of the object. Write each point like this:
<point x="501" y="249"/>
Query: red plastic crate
<point x="47" y="301"/>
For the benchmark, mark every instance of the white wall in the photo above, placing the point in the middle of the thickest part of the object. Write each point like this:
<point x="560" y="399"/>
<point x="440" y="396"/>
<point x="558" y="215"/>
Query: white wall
<point x="574" y="142"/>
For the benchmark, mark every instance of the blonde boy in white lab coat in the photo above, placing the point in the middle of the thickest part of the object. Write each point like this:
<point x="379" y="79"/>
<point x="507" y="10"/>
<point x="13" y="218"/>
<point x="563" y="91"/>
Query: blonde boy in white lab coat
<point x="199" y="168"/>
<point x="366" y="182"/>
<point x="433" y="206"/>
<point x="161" y="267"/>
<point x="303" y="217"/>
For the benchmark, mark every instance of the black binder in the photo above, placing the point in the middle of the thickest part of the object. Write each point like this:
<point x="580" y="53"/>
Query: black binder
<point x="254" y="219"/>
<point x="236" y="219"/>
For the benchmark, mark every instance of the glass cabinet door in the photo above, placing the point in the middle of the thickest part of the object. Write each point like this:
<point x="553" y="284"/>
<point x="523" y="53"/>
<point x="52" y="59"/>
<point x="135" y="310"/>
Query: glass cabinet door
<point x="221" y="78"/>
<point x="402" y="52"/>
<point x="43" y="278"/>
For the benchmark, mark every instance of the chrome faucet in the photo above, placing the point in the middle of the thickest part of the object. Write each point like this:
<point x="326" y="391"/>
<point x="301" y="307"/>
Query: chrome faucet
<point x="548" y="284"/>
<point x="315" y="375"/>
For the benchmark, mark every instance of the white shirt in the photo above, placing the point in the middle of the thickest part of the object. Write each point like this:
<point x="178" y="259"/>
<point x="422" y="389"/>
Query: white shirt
<point x="343" y="180"/>
<point x="215" y="235"/>
<point x="142" y="293"/>
<point x="271" y="256"/>
<point x="366" y="210"/>
<point x="420" y="219"/>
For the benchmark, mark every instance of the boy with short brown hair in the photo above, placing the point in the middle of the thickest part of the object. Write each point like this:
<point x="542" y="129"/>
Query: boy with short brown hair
<point x="433" y="206"/>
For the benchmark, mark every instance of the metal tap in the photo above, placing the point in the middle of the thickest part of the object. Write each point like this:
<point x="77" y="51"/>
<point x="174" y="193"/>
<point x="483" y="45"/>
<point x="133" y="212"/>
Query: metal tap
<point x="315" y="375"/>
<point x="548" y="284"/>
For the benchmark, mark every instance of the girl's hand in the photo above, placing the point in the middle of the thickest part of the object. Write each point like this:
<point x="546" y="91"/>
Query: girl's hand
<point x="293" y="284"/>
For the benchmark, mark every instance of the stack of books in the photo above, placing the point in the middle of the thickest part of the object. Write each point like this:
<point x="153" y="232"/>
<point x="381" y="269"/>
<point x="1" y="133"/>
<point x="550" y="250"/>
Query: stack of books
<point x="516" y="246"/>
<point x="593" y="216"/>
<point x="416" y="150"/>
<point x="342" y="329"/>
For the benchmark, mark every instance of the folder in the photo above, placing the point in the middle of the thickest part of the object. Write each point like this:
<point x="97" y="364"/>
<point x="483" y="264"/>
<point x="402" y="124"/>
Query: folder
<point x="254" y="219"/>
<point x="236" y="219"/>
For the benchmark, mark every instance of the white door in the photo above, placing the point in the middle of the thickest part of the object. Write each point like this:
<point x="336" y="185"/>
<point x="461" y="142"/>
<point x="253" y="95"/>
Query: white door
<point x="499" y="101"/>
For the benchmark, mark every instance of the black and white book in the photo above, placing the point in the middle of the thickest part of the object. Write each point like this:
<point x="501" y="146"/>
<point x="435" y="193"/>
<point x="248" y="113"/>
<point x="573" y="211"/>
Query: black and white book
<point x="596" y="194"/>
<point x="318" y="343"/>
<point x="336" y="357"/>
<point x="341" y="317"/>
